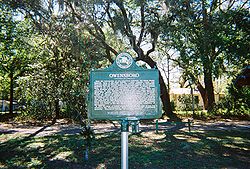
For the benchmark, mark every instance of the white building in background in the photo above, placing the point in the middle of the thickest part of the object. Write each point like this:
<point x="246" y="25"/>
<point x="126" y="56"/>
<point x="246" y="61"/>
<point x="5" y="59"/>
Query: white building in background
<point x="5" y="105"/>
<point x="177" y="93"/>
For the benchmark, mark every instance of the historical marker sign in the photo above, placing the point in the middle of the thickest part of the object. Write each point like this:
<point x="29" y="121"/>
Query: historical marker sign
<point x="124" y="91"/>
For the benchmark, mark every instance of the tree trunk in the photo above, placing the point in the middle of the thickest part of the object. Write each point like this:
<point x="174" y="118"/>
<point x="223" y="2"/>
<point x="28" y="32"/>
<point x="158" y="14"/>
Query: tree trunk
<point x="165" y="98"/>
<point x="207" y="63"/>
<point x="11" y="92"/>
<point x="164" y="93"/>
<point x="203" y="93"/>
<point x="57" y="111"/>
<point x="209" y="89"/>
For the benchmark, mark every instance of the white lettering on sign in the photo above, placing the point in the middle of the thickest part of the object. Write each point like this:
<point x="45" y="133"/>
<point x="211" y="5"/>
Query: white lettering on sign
<point x="129" y="95"/>
<point x="124" y="75"/>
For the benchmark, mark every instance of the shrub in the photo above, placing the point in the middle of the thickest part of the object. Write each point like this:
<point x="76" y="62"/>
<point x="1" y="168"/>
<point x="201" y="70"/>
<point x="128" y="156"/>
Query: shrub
<point x="236" y="104"/>
<point x="186" y="103"/>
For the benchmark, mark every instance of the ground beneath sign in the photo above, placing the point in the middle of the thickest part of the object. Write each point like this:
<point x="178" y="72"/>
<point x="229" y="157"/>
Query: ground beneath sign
<point x="221" y="144"/>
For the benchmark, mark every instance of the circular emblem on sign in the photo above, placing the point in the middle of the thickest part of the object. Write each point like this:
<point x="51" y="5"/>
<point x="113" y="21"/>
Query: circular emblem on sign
<point x="124" y="60"/>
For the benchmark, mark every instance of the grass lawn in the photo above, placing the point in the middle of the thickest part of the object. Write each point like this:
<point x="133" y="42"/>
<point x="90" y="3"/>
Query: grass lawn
<point x="198" y="149"/>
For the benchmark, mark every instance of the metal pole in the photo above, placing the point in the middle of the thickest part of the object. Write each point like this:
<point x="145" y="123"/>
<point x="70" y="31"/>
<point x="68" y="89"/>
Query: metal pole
<point x="192" y="94"/>
<point x="189" y="125"/>
<point x="157" y="126"/>
<point x="124" y="144"/>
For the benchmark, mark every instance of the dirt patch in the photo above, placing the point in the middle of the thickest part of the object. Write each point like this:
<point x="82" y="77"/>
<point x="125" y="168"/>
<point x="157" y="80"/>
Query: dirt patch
<point x="221" y="125"/>
<point x="62" y="127"/>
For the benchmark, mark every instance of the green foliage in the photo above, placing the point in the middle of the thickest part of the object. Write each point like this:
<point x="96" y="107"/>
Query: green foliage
<point x="15" y="44"/>
<point x="212" y="39"/>
<point x="59" y="76"/>
<point x="186" y="103"/>
<point x="15" y="48"/>
<point x="52" y="65"/>
<point x="4" y="86"/>
<point x="235" y="105"/>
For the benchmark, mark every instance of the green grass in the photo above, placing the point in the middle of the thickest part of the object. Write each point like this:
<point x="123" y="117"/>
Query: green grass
<point x="198" y="113"/>
<point x="198" y="149"/>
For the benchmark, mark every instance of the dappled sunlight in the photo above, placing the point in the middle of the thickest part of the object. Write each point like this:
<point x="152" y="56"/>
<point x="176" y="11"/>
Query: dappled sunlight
<point x="153" y="135"/>
<point x="238" y="140"/>
<point x="214" y="138"/>
<point x="101" y="166"/>
<point x="62" y="156"/>
<point x="235" y="147"/>
<point x="232" y="141"/>
<point x="6" y="137"/>
<point x="35" y="145"/>
<point x="204" y="152"/>
<point x="147" y="149"/>
<point x="100" y="136"/>
<point x="141" y="141"/>
<point x="2" y="165"/>
<point x="193" y="140"/>
<point x="180" y="136"/>
<point x="34" y="162"/>
<point x="199" y="131"/>
<point x="187" y="138"/>
<point x="226" y="154"/>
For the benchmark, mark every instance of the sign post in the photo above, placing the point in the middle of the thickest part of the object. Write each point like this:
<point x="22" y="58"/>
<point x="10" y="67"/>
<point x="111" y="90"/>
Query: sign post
<point x="124" y="92"/>
<point x="124" y="144"/>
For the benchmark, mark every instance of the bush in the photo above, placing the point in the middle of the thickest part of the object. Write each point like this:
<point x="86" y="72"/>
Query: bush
<point x="235" y="105"/>
<point x="185" y="103"/>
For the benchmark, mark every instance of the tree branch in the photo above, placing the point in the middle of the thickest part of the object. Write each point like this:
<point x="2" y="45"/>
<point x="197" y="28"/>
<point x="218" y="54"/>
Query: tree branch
<point x="99" y="35"/>
<point x="109" y="16"/>
<point x="142" y="24"/>
<point x="154" y="37"/>
<point x="128" y="30"/>
<point x="105" y="45"/>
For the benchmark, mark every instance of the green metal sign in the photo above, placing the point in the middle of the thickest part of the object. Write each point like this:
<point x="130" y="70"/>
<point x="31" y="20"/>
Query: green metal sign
<point x="124" y="91"/>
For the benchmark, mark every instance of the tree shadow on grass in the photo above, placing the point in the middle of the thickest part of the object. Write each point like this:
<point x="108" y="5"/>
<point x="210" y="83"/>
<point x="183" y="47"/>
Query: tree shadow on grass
<point x="59" y="151"/>
<point x="7" y="131"/>
<point x="39" y="131"/>
<point x="169" y="149"/>
<point x="210" y="149"/>
<point x="40" y="152"/>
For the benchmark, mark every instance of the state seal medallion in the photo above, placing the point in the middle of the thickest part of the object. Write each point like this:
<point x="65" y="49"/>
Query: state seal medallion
<point x="124" y="60"/>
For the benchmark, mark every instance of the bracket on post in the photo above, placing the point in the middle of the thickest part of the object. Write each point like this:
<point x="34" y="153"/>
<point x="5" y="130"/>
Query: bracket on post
<point x="124" y="126"/>
<point x="135" y="126"/>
